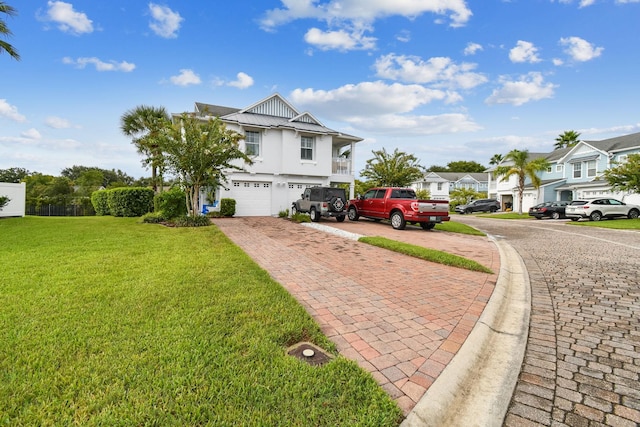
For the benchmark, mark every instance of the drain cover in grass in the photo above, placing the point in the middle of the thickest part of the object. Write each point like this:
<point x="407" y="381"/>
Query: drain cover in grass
<point x="309" y="353"/>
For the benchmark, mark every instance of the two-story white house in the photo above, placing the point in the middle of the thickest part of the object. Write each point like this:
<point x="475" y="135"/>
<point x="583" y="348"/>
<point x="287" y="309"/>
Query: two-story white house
<point x="573" y="173"/>
<point x="440" y="184"/>
<point x="291" y="150"/>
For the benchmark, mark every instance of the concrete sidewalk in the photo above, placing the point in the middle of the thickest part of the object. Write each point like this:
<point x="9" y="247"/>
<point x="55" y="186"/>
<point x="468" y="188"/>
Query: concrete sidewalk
<point x="426" y="332"/>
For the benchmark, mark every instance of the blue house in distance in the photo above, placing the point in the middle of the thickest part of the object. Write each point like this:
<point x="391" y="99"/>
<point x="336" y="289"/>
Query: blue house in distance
<point x="574" y="173"/>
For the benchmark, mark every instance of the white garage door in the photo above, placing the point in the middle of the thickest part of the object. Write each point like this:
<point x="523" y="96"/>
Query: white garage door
<point x="296" y="189"/>
<point x="252" y="198"/>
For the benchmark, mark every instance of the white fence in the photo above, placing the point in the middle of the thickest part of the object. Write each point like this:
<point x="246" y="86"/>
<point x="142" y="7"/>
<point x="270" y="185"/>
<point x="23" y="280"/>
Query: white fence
<point x="17" y="194"/>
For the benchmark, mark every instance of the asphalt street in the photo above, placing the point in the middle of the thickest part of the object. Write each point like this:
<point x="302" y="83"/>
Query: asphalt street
<point x="582" y="361"/>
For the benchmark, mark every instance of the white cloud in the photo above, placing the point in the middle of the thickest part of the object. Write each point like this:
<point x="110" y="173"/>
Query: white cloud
<point x="57" y="122"/>
<point x="439" y="71"/>
<point x="340" y="40"/>
<point x="185" y="78"/>
<point x="166" y="22"/>
<point x="585" y="3"/>
<point x="472" y="48"/>
<point x="530" y="87"/>
<point x="99" y="64"/>
<point x="416" y="125"/>
<point x="380" y="107"/>
<point x="365" y="99"/>
<point x="524" y="52"/>
<point x="31" y="134"/>
<point x="579" y="49"/>
<point x="68" y="20"/>
<point x="10" y="111"/>
<point x="364" y="11"/>
<point x="242" y="81"/>
<point x="403" y="36"/>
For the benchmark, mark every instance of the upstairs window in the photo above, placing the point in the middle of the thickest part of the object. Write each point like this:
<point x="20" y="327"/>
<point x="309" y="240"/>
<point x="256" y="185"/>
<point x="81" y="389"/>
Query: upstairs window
<point x="307" y="145"/>
<point x="591" y="168"/>
<point x="252" y="143"/>
<point x="577" y="170"/>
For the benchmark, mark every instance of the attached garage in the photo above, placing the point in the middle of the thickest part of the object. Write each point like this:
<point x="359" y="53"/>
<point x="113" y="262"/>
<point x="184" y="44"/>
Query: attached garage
<point x="253" y="198"/>
<point x="296" y="189"/>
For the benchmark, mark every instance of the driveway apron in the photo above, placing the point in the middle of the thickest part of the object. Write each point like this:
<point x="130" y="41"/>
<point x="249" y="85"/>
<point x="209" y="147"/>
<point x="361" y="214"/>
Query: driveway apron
<point x="400" y="318"/>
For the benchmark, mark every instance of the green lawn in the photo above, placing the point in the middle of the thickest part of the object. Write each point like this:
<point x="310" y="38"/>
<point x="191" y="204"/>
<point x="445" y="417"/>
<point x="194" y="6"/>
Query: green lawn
<point x="108" y="321"/>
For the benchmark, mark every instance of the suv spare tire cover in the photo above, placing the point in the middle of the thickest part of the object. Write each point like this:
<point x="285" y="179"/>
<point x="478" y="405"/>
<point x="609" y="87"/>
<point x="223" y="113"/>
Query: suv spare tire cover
<point x="337" y="203"/>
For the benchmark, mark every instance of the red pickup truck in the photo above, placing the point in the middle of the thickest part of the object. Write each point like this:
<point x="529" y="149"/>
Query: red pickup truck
<point x="400" y="205"/>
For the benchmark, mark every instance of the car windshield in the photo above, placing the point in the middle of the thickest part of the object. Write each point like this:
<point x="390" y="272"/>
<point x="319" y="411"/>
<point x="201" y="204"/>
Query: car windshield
<point x="579" y="202"/>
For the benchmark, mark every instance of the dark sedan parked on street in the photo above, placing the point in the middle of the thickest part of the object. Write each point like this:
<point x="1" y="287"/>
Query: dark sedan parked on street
<point x="553" y="210"/>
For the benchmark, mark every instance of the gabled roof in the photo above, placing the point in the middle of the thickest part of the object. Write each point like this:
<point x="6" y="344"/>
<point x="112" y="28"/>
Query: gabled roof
<point x="619" y="143"/>
<point x="213" y="110"/>
<point x="271" y="112"/>
<point x="456" y="176"/>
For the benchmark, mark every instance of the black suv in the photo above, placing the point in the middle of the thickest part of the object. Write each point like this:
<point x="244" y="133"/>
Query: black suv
<point x="480" y="205"/>
<point x="322" y="201"/>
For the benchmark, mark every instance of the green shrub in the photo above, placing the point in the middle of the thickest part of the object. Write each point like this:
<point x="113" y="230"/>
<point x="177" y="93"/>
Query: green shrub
<point x="284" y="214"/>
<point x="100" y="202"/>
<point x="300" y="217"/>
<point x="154" y="217"/>
<point x="130" y="201"/>
<point x="172" y="203"/>
<point x="192" y="221"/>
<point x="227" y="207"/>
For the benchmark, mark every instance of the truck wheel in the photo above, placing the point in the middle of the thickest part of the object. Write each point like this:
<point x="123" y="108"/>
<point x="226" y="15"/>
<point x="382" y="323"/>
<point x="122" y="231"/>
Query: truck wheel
<point x="353" y="214"/>
<point x="397" y="221"/>
<point x="340" y="218"/>
<point x="427" y="225"/>
<point x="315" y="216"/>
<point x="294" y="210"/>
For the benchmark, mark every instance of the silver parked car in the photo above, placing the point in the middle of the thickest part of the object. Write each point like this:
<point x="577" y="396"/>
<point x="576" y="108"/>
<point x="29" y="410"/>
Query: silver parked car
<point x="597" y="209"/>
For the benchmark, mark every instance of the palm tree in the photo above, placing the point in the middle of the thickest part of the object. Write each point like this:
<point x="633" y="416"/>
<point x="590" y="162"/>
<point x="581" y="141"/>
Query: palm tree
<point x="5" y="31"/>
<point x="567" y="139"/>
<point x="147" y="125"/>
<point x="496" y="159"/>
<point x="518" y="164"/>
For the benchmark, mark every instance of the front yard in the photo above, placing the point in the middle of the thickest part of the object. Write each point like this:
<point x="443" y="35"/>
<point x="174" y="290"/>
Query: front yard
<point x="108" y="321"/>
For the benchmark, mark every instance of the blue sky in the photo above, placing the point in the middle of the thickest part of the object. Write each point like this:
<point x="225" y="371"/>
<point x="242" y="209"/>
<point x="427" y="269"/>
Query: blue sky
<point x="445" y="80"/>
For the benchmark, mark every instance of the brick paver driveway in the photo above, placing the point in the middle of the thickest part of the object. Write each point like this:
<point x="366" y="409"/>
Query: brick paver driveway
<point x="582" y="361"/>
<point x="401" y="318"/>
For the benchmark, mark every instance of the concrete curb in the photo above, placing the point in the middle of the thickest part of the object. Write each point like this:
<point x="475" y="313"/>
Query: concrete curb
<point x="476" y="386"/>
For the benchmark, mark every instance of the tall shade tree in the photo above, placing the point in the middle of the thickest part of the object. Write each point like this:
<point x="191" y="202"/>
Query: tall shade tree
<point x="519" y="164"/>
<point x="625" y="176"/>
<point x="567" y="139"/>
<point x="393" y="170"/>
<point x="147" y="126"/>
<point x="465" y="166"/>
<point x="6" y="32"/>
<point x="199" y="153"/>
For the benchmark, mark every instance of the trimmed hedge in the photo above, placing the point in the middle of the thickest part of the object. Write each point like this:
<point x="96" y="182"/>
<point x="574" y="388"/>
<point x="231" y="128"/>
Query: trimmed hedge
<point x="171" y="203"/>
<point x="227" y="207"/>
<point x="130" y="201"/>
<point x="100" y="202"/>
<point x="124" y="201"/>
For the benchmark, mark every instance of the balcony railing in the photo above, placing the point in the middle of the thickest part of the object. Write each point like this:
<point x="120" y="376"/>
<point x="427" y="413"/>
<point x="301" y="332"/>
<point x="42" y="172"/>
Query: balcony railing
<point x="341" y="166"/>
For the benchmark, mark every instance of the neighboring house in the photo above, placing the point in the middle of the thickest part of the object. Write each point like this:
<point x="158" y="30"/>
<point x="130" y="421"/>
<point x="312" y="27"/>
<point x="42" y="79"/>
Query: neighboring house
<point x="17" y="198"/>
<point x="291" y="151"/>
<point x="574" y="173"/>
<point x="440" y="184"/>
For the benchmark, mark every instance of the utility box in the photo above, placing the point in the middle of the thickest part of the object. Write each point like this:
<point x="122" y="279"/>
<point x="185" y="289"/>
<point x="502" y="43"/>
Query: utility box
<point x="17" y="193"/>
